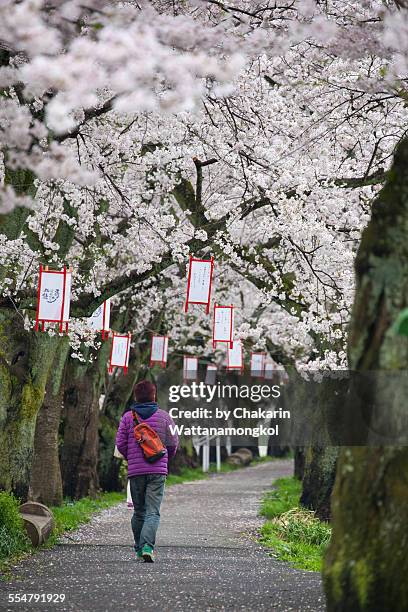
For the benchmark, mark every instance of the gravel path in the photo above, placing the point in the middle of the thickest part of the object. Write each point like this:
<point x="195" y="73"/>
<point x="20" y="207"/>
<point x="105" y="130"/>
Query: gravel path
<point x="207" y="558"/>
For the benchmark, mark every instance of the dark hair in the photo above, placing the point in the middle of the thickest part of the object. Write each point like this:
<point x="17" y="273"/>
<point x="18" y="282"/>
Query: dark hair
<point x="144" y="391"/>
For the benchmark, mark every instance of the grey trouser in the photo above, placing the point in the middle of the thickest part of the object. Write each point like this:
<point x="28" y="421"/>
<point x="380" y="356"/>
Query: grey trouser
<point x="147" y="494"/>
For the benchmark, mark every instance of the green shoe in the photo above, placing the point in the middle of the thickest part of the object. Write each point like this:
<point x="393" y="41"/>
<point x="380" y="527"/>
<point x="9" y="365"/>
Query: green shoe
<point x="139" y="556"/>
<point x="147" y="554"/>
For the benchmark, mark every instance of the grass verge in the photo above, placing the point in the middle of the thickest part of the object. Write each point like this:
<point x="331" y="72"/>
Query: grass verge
<point x="72" y="514"/>
<point x="186" y="475"/>
<point x="14" y="542"/>
<point x="293" y="533"/>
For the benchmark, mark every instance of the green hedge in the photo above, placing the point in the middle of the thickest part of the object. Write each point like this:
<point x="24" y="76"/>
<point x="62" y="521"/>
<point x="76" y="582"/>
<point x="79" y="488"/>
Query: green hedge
<point x="13" y="538"/>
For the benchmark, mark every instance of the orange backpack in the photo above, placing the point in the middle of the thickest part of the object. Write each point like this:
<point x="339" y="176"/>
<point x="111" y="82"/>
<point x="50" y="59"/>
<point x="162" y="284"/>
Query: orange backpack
<point x="149" y="440"/>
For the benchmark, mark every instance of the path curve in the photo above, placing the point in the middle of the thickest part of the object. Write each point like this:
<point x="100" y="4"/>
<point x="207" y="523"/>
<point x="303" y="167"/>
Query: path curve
<point x="207" y="558"/>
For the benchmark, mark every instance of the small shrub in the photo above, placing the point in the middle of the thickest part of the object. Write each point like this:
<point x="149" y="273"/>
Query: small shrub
<point x="13" y="538"/>
<point x="302" y="525"/>
<point x="293" y="533"/>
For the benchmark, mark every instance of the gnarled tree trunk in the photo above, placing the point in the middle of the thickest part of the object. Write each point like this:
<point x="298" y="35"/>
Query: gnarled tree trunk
<point x="318" y="479"/>
<point x="299" y="462"/>
<point x="46" y="481"/>
<point x="79" y="455"/>
<point x="325" y="402"/>
<point x="367" y="562"/>
<point x="25" y="362"/>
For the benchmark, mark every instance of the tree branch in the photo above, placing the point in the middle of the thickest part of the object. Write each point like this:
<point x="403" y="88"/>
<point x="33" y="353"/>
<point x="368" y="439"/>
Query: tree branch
<point x="199" y="183"/>
<point x="354" y="182"/>
<point x="89" y="114"/>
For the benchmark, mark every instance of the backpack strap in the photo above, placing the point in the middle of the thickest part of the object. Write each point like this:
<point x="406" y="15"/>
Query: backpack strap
<point x="135" y="418"/>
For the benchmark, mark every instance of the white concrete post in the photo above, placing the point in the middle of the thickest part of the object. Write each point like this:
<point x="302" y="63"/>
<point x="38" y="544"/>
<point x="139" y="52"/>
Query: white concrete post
<point x="218" y="453"/>
<point x="228" y="445"/>
<point x="203" y="457"/>
<point x="206" y="454"/>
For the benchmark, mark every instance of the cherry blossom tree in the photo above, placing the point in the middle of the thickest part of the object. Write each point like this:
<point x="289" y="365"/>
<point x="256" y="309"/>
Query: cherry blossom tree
<point x="135" y="134"/>
<point x="223" y="167"/>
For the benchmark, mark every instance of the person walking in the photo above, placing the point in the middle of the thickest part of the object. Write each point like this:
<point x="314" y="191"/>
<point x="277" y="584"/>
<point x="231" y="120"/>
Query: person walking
<point x="147" y="476"/>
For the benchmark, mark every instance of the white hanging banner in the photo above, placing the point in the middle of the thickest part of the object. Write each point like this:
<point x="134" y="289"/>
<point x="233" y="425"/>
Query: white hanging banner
<point x="67" y="298"/>
<point x="158" y="350"/>
<point x="258" y="364"/>
<point x="100" y="319"/>
<point x="223" y="324"/>
<point x="190" y="367"/>
<point x="235" y="356"/>
<point x="199" y="282"/>
<point x="54" y="297"/>
<point x="269" y="370"/>
<point x="211" y="374"/>
<point x="119" y="357"/>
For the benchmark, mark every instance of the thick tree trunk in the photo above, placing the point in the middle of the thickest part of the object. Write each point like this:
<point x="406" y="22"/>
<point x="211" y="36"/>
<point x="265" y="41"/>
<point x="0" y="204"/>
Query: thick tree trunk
<point x="367" y="562"/>
<point x="46" y="481"/>
<point x="25" y="361"/>
<point x="79" y="455"/>
<point x="318" y="479"/>
<point x="186" y="457"/>
<point x="323" y="402"/>
<point x="299" y="464"/>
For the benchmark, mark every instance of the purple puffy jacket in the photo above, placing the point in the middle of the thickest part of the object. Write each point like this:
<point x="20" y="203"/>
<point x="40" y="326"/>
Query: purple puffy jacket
<point x="160" y="421"/>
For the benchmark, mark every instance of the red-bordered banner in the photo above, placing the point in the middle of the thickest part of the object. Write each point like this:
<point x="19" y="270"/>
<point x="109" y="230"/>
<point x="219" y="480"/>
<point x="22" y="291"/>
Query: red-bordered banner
<point x="199" y="282"/>
<point x="100" y="319"/>
<point x="258" y="364"/>
<point x="158" y="350"/>
<point x="223" y="324"/>
<point x="235" y="356"/>
<point x="119" y="355"/>
<point x="53" y="297"/>
<point x="190" y="368"/>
